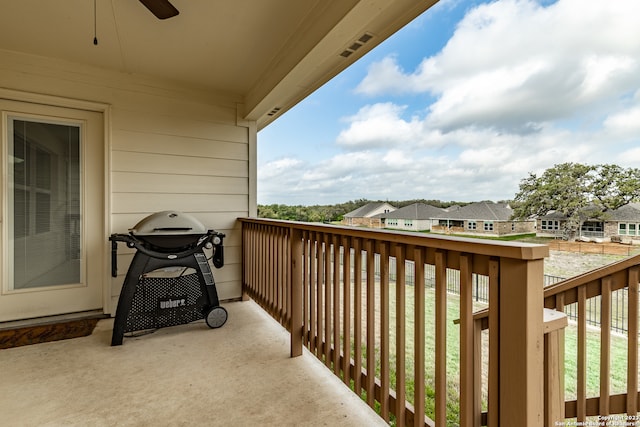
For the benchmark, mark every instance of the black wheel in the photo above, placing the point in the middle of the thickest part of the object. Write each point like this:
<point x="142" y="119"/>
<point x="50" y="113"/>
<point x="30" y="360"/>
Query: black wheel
<point x="216" y="317"/>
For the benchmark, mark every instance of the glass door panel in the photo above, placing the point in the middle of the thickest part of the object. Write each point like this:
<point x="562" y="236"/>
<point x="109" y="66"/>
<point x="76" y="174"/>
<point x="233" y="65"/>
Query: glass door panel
<point x="44" y="203"/>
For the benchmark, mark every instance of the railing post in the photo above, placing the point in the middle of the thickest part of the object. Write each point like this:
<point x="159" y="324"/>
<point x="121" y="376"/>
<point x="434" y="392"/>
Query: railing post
<point x="521" y="346"/>
<point x="554" y="324"/>
<point x="295" y="278"/>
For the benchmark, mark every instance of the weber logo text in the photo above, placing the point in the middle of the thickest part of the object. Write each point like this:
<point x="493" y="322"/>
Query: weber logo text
<point x="172" y="303"/>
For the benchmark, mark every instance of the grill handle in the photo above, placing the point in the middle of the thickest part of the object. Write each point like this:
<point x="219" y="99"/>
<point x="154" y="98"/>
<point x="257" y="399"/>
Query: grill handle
<point x="218" y="256"/>
<point x="133" y="242"/>
<point x="114" y="257"/>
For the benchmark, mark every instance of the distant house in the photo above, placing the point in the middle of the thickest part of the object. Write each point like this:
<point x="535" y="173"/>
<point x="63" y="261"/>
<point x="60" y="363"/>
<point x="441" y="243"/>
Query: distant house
<point x="485" y="218"/>
<point x="415" y="217"/>
<point x="366" y="216"/>
<point x="622" y="224"/>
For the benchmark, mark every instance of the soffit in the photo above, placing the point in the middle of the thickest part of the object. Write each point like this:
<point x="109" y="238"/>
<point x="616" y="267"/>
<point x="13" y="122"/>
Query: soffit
<point x="267" y="53"/>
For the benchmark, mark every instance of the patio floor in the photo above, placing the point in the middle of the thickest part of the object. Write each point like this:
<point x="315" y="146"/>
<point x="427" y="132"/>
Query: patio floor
<point x="238" y="375"/>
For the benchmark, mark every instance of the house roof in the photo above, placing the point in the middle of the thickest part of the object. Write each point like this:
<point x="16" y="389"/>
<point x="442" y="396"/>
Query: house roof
<point x="368" y="210"/>
<point x="413" y="211"/>
<point x="487" y="211"/>
<point x="265" y="55"/>
<point x="629" y="212"/>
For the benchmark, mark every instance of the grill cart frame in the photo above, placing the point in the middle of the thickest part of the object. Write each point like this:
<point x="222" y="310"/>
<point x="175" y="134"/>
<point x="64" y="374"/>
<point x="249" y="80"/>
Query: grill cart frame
<point x="146" y="302"/>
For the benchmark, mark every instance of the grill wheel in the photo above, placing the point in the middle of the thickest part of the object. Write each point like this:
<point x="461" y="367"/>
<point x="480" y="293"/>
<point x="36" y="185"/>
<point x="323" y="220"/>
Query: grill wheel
<point x="216" y="317"/>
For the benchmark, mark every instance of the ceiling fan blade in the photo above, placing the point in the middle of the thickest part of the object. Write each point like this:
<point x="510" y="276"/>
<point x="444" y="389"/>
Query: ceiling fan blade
<point x="162" y="9"/>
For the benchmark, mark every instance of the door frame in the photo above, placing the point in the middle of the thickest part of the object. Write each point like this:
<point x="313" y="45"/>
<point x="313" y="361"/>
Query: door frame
<point x="105" y="110"/>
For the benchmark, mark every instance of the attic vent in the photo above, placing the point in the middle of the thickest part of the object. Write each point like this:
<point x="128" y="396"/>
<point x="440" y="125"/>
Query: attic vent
<point x="273" y="112"/>
<point x="356" y="45"/>
<point x="365" y="38"/>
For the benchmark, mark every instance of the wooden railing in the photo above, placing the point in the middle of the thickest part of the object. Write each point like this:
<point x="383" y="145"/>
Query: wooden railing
<point x="379" y="336"/>
<point x="602" y="283"/>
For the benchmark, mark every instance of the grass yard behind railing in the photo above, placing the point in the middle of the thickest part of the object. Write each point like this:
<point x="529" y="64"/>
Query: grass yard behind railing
<point x="618" y="354"/>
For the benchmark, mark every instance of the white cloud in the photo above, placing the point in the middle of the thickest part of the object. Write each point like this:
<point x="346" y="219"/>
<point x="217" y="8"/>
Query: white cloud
<point x="380" y="125"/>
<point x="625" y="123"/>
<point x="513" y="64"/>
<point x="518" y="88"/>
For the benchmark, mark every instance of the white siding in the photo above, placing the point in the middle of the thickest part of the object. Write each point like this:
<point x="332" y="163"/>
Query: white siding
<point x="168" y="146"/>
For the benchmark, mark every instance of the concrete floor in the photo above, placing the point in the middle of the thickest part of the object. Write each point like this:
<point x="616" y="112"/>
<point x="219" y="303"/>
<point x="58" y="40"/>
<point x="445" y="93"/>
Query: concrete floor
<point x="238" y="375"/>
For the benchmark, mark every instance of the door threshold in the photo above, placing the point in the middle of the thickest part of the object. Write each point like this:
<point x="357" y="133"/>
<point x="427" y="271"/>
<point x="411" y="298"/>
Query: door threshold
<point x="50" y="328"/>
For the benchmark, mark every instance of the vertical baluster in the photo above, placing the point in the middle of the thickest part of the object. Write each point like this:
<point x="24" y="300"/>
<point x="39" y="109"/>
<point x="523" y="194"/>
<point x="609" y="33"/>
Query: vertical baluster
<point x="582" y="355"/>
<point x="632" y="343"/>
<point x="467" y="410"/>
<point x="277" y="274"/>
<point x="285" y="273"/>
<point x="327" y="300"/>
<point x="441" y="338"/>
<point x="419" y="340"/>
<point x="400" y="336"/>
<point x="494" y="345"/>
<point x="346" y="314"/>
<point x="319" y="295"/>
<point x="313" y="292"/>
<point x="305" y="286"/>
<point x="605" y="344"/>
<point x="270" y="278"/>
<point x="371" y="317"/>
<point x="263" y="271"/>
<point x="384" y="332"/>
<point x="246" y="262"/>
<point x="357" y="316"/>
<point x="294" y="254"/>
<point x="336" y="306"/>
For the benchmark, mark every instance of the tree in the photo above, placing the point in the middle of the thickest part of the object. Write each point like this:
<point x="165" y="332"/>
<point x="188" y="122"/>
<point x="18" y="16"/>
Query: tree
<point x="576" y="191"/>
<point x="615" y="186"/>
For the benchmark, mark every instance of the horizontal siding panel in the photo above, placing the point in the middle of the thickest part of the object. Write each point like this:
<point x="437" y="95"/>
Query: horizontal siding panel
<point x="229" y="290"/>
<point x="160" y="163"/>
<point x="177" y="126"/>
<point x="150" y="203"/>
<point x="131" y="182"/>
<point x="215" y="147"/>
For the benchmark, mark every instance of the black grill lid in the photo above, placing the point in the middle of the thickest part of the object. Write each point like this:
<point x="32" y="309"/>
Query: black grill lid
<point x="168" y="223"/>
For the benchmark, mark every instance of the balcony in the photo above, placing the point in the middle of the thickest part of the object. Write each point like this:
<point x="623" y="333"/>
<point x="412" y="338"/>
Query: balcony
<point x="363" y="337"/>
<point x="422" y="357"/>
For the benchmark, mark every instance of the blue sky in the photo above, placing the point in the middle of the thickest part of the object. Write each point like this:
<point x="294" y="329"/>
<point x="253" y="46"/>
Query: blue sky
<point x="463" y="103"/>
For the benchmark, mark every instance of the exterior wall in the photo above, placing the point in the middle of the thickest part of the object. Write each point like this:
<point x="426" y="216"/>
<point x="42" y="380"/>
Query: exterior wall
<point x="611" y="229"/>
<point x="364" y="222"/>
<point x="411" y="225"/>
<point x="167" y="147"/>
<point x="500" y="228"/>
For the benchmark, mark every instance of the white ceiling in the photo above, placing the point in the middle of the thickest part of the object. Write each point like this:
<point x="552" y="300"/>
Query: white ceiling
<point x="268" y="53"/>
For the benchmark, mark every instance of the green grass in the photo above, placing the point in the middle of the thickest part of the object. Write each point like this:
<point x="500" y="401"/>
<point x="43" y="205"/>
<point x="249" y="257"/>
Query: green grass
<point x="618" y="368"/>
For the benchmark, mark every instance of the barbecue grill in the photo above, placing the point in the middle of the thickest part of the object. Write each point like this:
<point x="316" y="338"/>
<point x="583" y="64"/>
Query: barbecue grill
<point x="169" y="281"/>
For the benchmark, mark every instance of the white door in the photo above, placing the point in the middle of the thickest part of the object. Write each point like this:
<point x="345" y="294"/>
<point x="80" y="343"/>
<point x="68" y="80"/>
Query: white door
<point x="52" y="207"/>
